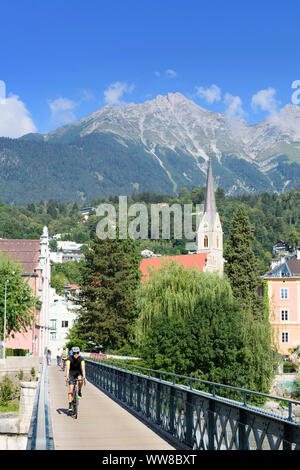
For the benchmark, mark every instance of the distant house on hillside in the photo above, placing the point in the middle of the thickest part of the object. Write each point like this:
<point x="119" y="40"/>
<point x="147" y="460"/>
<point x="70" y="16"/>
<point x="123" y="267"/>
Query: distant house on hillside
<point x="149" y="254"/>
<point x="279" y="247"/>
<point x="85" y="212"/>
<point x="67" y="251"/>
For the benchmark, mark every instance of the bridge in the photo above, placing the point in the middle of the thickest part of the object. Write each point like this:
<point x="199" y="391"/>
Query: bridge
<point x="131" y="408"/>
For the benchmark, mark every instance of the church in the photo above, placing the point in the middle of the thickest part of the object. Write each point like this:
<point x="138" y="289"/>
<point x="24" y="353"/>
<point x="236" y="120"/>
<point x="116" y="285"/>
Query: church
<point x="210" y="235"/>
<point x="209" y="240"/>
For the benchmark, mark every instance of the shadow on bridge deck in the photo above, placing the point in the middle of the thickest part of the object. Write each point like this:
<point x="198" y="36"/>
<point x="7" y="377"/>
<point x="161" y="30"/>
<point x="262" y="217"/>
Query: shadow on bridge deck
<point x="102" y="424"/>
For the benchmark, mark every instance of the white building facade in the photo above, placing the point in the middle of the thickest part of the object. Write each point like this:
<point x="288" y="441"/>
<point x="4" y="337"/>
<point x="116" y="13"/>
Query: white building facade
<point x="63" y="314"/>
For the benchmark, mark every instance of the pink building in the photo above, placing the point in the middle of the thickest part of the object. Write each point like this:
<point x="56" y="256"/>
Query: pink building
<point x="34" y="257"/>
<point x="284" y="294"/>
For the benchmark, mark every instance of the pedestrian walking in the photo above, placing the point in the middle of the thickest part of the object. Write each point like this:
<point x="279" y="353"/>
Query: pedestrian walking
<point x="49" y="357"/>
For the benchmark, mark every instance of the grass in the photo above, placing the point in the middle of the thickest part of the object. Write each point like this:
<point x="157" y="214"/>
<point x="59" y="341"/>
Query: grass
<point x="10" y="407"/>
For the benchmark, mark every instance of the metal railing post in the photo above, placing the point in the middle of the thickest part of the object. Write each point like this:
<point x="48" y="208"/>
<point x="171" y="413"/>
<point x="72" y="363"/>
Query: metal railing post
<point x="243" y="442"/>
<point x="189" y="419"/>
<point x="211" y="425"/>
<point x="172" y="410"/>
<point x="158" y="403"/>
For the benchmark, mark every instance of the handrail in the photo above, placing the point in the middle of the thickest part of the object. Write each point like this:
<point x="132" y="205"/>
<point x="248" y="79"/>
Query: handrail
<point x="193" y="418"/>
<point x="40" y="436"/>
<point x="191" y="380"/>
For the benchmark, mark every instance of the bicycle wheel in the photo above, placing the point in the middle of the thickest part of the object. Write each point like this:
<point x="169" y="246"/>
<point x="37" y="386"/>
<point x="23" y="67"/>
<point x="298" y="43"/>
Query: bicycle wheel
<point x="75" y="402"/>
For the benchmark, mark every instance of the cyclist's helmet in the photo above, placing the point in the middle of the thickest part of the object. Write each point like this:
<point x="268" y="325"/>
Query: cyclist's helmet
<point x="76" y="350"/>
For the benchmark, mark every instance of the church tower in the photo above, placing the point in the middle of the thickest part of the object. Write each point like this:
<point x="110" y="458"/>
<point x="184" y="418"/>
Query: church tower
<point x="209" y="234"/>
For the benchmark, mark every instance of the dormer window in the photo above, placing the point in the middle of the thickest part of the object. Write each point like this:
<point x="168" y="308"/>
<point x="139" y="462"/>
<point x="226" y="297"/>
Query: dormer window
<point x="205" y="241"/>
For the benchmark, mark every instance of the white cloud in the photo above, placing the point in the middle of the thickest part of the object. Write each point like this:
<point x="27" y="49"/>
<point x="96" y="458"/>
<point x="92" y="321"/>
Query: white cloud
<point x="115" y="92"/>
<point x="265" y="100"/>
<point x="171" y="73"/>
<point x="2" y="92"/>
<point x="210" y="94"/>
<point x="287" y="119"/>
<point x="234" y="108"/>
<point x="15" y="119"/>
<point x="62" y="110"/>
<point x="234" y="114"/>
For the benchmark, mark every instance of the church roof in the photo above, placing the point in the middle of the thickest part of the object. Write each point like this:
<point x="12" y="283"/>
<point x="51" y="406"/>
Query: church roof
<point x="210" y="202"/>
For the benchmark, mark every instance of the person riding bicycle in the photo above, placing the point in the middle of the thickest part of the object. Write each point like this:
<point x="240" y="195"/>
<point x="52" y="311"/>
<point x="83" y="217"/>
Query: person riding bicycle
<point x="64" y="357"/>
<point x="75" y="370"/>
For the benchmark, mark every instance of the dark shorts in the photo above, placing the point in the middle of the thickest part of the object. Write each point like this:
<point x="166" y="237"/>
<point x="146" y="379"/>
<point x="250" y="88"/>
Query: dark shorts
<point x="73" y="375"/>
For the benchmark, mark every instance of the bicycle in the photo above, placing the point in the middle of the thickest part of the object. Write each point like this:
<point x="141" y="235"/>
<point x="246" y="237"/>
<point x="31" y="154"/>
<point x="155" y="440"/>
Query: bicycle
<point x="75" y="400"/>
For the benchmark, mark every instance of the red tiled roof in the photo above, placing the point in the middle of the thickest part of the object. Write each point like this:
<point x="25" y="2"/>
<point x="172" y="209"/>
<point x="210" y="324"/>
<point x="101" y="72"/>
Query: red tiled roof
<point x="71" y="286"/>
<point x="25" y="252"/>
<point x="197" y="260"/>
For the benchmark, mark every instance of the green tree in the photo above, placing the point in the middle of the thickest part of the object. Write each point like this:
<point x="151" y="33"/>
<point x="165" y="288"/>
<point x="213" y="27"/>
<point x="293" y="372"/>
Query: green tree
<point x="110" y="277"/>
<point x="20" y="302"/>
<point x="190" y="324"/>
<point x="242" y="271"/>
<point x="241" y="265"/>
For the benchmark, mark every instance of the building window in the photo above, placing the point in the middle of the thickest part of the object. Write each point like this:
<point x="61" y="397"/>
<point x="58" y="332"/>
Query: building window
<point x="53" y="324"/>
<point x="284" y="337"/>
<point x="205" y="241"/>
<point x="52" y="335"/>
<point x="284" y="293"/>
<point x="217" y="241"/>
<point x="64" y="324"/>
<point x="284" y="315"/>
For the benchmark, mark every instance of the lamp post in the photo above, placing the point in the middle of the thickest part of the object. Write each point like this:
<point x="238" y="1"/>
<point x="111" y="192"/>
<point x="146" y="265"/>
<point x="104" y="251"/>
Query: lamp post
<point x="4" y="326"/>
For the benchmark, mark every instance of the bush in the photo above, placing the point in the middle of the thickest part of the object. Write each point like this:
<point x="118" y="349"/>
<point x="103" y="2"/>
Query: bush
<point x="15" y="352"/>
<point x="8" y="391"/>
<point x="288" y="367"/>
<point x="21" y="375"/>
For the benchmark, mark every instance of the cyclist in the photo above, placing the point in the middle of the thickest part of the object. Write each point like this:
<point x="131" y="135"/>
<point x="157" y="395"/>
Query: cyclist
<point x="75" y="370"/>
<point x="64" y="357"/>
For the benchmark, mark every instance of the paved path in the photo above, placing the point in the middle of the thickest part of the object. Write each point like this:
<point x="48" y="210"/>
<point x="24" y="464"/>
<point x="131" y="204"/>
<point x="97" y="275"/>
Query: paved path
<point x="102" y="424"/>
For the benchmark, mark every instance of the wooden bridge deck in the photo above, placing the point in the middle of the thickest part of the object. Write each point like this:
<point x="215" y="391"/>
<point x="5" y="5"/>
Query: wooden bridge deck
<point x="102" y="424"/>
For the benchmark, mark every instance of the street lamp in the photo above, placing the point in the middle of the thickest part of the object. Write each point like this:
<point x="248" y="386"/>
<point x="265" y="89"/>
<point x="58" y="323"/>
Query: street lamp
<point x="4" y="327"/>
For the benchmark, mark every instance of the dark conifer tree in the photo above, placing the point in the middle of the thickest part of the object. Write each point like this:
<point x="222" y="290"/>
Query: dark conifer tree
<point x="110" y="278"/>
<point x="241" y="265"/>
<point x="242" y="271"/>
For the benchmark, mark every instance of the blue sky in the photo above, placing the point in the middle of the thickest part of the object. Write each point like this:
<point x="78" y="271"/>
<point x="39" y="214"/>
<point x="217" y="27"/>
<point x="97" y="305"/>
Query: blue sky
<point x="61" y="60"/>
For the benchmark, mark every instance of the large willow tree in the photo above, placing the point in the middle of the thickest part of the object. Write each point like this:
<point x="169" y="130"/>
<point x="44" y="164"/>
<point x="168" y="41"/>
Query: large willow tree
<point x="191" y="324"/>
<point x="174" y="291"/>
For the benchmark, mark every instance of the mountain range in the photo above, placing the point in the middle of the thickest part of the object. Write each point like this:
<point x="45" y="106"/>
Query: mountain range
<point x="160" y="145"/>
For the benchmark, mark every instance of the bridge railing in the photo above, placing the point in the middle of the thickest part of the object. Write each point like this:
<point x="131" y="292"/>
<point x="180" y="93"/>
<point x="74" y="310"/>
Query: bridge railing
<point x="40" y="436"/>
<point x="193" y="418"/>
